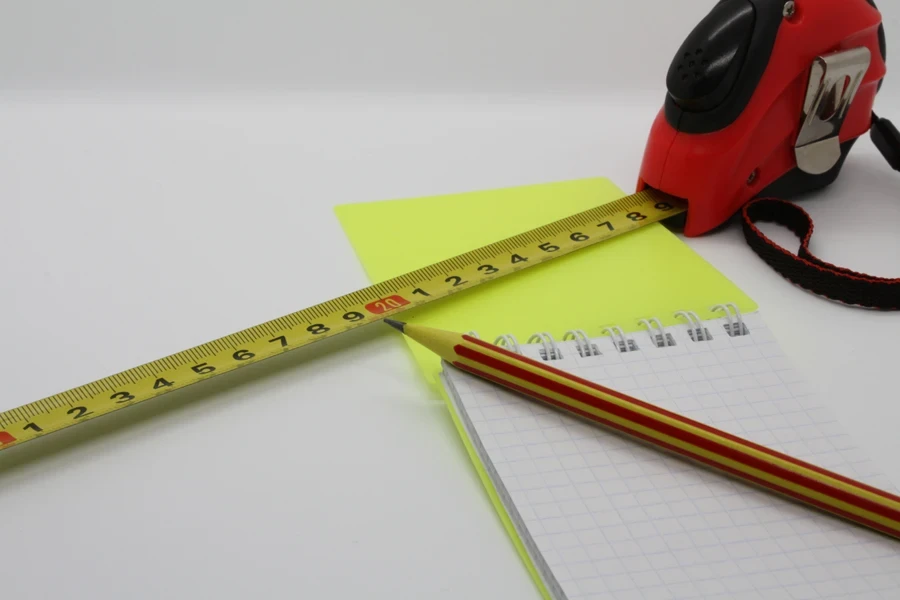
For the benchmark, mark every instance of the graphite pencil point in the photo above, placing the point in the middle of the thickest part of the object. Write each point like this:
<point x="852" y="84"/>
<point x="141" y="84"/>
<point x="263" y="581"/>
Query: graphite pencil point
<point x="398" y="325"/>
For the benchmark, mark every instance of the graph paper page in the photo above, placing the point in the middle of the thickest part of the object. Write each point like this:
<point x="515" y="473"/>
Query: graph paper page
<point x="608" y="518"/>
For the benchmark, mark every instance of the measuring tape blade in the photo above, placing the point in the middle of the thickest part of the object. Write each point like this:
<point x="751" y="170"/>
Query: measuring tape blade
<point x="334" y="317"/>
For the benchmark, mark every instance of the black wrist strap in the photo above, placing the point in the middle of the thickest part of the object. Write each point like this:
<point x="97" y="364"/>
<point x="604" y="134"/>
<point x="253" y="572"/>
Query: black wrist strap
<point x="887" y="140"/>
<point x="804" y="268"/>
<point x="807" y="271"/>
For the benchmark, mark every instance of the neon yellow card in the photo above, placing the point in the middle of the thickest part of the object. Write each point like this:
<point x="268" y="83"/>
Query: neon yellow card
<point x="643" y="274"/>
<point x="647" y="273"/>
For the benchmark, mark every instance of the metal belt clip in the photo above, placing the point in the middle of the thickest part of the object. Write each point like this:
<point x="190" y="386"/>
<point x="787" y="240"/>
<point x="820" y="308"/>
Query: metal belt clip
<point x="833" y="82"/>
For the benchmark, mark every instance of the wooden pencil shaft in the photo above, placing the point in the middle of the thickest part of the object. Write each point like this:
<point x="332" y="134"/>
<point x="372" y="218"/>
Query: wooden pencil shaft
<point x="668" y="431"/>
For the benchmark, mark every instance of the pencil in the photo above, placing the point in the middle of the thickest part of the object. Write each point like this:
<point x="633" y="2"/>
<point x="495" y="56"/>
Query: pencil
<point x="668" y="431"/>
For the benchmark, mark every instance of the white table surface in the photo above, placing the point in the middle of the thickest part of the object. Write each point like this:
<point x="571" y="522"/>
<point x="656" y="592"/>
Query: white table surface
<point x="135" y="225"/>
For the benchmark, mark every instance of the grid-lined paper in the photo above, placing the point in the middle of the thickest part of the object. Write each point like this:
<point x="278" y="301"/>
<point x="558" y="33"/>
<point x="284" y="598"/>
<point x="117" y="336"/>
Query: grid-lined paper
<point x="615" y="519"/>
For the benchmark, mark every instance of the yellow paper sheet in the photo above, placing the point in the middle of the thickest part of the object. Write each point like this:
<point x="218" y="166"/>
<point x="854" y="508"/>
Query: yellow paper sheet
<point x="647" y="273"/>
<point x="494" y="497"/>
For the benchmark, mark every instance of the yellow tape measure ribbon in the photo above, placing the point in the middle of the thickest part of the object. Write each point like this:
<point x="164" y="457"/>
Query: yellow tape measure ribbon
<point x="336" y="316"/>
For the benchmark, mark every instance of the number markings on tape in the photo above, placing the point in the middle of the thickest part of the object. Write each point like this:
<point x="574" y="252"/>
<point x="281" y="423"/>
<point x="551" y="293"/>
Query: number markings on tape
<point x="336" y="316"/>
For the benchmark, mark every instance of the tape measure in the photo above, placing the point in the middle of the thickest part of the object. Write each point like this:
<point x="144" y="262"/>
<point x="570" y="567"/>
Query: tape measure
<point x="334" y="317"/>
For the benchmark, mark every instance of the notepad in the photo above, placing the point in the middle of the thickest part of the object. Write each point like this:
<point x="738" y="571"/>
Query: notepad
<point x="600" y="516"/>
<point x="592" y="514"/>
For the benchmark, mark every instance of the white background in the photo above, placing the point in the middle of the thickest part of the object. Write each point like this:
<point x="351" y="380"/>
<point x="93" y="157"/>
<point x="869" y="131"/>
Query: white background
<point x="167" y="174"/>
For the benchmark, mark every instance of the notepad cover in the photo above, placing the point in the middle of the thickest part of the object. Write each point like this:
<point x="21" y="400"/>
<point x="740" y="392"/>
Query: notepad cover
<point x="646" y="272"/>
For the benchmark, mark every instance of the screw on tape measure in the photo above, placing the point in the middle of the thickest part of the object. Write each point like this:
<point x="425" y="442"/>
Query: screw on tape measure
<point x="336" y="316"/>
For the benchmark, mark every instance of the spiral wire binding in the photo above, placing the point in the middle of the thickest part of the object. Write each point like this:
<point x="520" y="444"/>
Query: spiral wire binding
<point x="582" y="343"/>
<point x="622" y="343"/>
<point x="697" y="331"/>
<point x="550" y="350"/>
<point x="661" y="339"/>
<point x="510" y="342"/>
<point x="735" y="326"/>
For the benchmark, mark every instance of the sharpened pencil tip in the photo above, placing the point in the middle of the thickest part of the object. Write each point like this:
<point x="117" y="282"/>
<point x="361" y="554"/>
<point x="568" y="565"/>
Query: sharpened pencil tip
<point x="398" y="325"/>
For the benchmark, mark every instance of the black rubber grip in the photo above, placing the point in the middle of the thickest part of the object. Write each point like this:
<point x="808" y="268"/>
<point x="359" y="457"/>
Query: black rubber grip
<point x="720" y="64"/>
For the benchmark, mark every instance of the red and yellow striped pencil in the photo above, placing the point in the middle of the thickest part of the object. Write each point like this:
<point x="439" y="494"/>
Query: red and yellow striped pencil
<point x="666" y="430"/>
